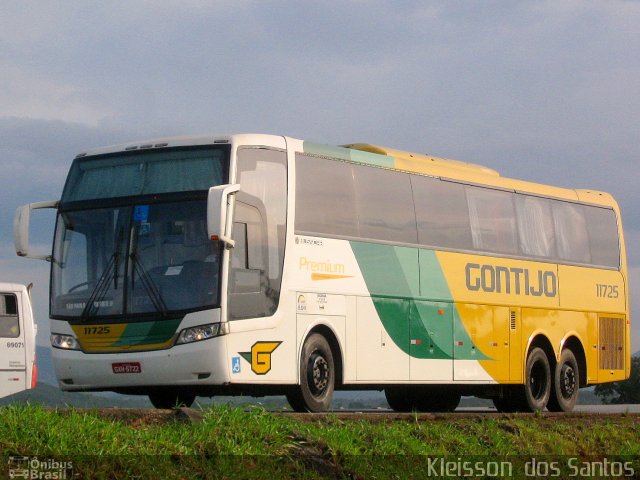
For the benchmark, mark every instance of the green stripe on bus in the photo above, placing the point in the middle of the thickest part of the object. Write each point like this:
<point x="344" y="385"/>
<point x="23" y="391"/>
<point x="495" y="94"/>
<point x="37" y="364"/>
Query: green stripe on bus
<point x="388" y="270"/>
<point x="147" y="333"/>
<point x="392" y="276"/>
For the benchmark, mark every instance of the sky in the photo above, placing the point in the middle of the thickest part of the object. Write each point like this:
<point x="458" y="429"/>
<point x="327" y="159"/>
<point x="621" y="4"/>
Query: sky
<point x="544" y="91"/>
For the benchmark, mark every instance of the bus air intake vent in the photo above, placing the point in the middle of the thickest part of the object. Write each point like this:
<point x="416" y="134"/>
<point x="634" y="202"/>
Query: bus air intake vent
<point x="611" y="343"/>
<point x="513" y="318"/>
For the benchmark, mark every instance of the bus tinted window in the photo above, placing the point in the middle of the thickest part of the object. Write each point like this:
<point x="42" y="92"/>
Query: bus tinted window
<point x="260" y="226"/>
<point x="9" y="326"/>
<point x="493" y="220"/>
<point x="442" y="214"/>
<point x="325" y="197"/>
<point x="603" y="236"/>
<point x="384" y="205"/>
<point x="571" y="232"/>
<point x="145" y="173"/>
<point x="535" y="226"/>
<point x="375" y="204"/>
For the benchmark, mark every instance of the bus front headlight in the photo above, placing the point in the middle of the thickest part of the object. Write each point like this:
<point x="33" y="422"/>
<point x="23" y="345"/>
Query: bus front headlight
<point x="201" y="332"/>
<point x="64" y="342"/>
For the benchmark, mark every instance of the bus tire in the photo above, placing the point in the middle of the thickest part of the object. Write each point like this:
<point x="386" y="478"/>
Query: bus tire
<point x="317" y="377"/>
<point x="537" y="387"/>
<point x="564" y="394"/>
<point x="449" y="402"/>
<point x="512" y="400"/>
<point x="503" y="405"/>
<point x="168" y="399"/>
<point x="399" y="399"/>
<point x="437" y="399"/>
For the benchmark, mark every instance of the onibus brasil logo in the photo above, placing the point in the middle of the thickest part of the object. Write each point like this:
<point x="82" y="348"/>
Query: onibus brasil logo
<point x="40" y="468"/>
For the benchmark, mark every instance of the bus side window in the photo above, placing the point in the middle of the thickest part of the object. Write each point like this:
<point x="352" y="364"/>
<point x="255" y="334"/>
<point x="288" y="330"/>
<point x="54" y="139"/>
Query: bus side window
<point x="9" y="325"/>
<point x="602" y="226"/>
<point x="493" y="220"/>
<point x="325" y="197"/>
<point x="389" y="216"/>
<point x="571" y="232"/>
<point x="259" y="225"/>
<point x="442" y="214"/>
<point x="535" y="226"/>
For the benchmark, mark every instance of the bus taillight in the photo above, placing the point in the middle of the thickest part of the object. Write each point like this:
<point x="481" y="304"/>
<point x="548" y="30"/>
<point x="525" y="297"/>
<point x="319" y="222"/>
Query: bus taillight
<point x="34" y="373"/>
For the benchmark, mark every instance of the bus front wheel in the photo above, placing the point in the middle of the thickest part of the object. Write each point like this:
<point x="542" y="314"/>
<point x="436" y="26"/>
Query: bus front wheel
<point x="317" y="377"/>
<point x="565" y="383"/>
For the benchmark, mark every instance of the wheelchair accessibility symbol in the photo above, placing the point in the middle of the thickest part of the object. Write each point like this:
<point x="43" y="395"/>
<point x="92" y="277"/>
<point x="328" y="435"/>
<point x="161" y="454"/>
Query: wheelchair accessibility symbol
<point x="235" y="365"/>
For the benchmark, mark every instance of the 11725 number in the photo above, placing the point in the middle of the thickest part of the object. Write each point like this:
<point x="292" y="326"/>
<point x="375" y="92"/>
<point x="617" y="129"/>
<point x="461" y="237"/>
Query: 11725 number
<point x="606" y="291"/>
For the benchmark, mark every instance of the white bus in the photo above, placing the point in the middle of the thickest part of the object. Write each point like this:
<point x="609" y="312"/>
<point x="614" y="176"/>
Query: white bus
<point x="259" y="264"/>
<point x="18" y="369"/>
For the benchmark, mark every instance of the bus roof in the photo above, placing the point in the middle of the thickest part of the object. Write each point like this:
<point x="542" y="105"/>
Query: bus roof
<point x="6" y="287"/>
<point x="419" y="163"/>
<point x="389" y="158"/>
<point x="474" y="173"/>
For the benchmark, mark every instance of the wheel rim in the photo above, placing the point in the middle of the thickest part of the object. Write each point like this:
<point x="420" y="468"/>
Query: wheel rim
<point x="567" y="381"/>
<point x="538" y="381"/>
<point x="318" y="373"/>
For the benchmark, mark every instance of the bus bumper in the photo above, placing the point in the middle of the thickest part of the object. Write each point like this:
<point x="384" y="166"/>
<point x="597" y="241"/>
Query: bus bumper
<point x="195" y="364"/>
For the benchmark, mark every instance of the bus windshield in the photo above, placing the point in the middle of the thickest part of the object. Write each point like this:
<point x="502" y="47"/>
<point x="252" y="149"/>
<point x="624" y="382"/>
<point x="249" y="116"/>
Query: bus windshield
<point x="146" y="172"/>
<point x="136" y="245"/>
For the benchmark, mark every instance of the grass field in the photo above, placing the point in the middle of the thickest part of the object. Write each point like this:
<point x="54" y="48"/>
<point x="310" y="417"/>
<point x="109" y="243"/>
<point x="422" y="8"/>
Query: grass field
<point x="227" y="442"/>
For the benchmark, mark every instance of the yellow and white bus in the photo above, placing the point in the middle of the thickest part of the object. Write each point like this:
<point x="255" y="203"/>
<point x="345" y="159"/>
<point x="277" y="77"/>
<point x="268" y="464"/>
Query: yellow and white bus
<point x="260" y="264"/>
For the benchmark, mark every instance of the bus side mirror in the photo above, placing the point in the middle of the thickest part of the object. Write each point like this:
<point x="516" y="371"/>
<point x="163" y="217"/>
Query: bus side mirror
<point x="21" y="228"/>
<point x="218" y="204"/>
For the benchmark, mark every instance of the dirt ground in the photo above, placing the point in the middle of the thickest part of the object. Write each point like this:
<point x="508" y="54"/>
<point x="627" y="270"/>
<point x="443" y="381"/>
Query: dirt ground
<point x="139" y="417"/>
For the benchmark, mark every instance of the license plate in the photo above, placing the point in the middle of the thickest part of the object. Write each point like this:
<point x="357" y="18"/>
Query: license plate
<point x="126" y="367"/>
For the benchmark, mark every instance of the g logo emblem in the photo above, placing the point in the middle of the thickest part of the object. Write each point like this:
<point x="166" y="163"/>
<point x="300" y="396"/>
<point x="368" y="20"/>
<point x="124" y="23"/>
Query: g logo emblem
<point x="260" y="356"/>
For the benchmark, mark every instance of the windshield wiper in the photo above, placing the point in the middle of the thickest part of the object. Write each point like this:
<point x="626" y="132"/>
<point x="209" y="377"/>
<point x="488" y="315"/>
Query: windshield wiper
<point x="102" y="287"/>
<point x="148" y="284"/>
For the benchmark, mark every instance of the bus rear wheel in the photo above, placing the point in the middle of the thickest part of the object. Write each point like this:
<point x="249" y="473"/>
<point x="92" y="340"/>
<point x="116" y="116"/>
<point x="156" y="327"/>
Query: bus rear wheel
<point x="537" y="387"/>
<point x="168" y="399"/>
<point x="317" y="377"/>
<point x="565" y="383"/>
